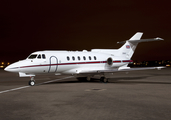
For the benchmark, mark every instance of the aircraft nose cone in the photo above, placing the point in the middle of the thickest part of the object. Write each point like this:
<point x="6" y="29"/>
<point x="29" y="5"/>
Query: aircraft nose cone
<point x="11" y="68"/>
<point x="6" y="69"/>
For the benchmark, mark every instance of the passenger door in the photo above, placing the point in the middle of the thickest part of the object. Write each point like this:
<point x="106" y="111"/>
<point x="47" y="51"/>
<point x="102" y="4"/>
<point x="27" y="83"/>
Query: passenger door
<point x="53" y="64"/>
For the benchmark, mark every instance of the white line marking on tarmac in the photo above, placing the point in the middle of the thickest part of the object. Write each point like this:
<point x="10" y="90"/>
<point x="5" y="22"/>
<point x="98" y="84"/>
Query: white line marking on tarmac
<point x="36" y="84"/>
<point x="14" y="89"/>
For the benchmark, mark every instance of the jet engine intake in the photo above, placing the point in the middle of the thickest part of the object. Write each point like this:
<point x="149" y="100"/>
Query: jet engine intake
<point x="110" y="61"/>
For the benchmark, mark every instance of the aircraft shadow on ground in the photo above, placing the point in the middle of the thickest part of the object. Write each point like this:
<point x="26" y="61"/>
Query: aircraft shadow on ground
<point x="160" y="74"/>
<point x="117" y="80"/>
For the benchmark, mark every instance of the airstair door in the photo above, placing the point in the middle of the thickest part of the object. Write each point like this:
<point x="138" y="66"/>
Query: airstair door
<point x="53" y="64"/>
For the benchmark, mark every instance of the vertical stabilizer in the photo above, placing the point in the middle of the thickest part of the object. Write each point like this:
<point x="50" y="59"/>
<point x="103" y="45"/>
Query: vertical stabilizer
<point x="137" y="36"/>
<point x="127" y="50"/>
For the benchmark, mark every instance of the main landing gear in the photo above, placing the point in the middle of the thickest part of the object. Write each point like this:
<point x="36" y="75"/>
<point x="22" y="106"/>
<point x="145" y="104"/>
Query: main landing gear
<point x="103" y="79"/>
<point x="32" y="81"/>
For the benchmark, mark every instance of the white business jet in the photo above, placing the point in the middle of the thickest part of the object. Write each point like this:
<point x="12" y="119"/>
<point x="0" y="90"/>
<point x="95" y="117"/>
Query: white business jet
<point x="81" y="64"/>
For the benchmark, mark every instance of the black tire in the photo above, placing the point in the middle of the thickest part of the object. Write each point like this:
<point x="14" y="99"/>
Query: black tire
<point x="103" y="79"/>
<point x="31" y="83"/>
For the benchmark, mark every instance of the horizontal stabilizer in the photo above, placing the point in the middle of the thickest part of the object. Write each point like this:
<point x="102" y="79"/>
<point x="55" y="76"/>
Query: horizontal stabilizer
<point x="141" y="40"/>
<point x="145" y="40"/>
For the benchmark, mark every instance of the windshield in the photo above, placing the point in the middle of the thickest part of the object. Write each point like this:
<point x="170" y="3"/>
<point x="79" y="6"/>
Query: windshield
<point x="33" y="56"/>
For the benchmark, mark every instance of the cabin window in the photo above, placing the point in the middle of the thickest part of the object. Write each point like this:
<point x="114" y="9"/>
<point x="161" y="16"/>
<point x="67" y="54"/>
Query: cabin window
<point x="89" y="58"/>
<point x="43" y="56"/>
<point x="39" y="56"/>
<point x="84" y="57"/>
<point x="33" y="56"/>
<point x="78" y="57"/>
<point x="95" y="58"/>
<point x="73" y="58"/>
<point x="68" y="58"/>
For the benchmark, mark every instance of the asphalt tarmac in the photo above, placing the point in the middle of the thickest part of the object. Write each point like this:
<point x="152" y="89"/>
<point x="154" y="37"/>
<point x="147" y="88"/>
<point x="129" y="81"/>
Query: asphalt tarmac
<point x="138" y="95"/>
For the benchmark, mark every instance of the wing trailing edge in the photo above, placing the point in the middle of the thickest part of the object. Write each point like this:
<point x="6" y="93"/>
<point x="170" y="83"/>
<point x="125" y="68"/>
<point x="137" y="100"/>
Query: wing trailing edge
<point x="120" y="69"/>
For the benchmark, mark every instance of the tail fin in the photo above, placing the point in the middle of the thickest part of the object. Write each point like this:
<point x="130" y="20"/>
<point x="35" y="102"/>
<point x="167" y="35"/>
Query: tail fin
<point x="137" y="36"/>
<point x="127" y="50"/>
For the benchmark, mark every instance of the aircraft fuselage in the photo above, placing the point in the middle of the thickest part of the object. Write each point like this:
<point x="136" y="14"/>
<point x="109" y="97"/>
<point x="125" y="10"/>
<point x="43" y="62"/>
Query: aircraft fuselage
<point x="66" y="62"/>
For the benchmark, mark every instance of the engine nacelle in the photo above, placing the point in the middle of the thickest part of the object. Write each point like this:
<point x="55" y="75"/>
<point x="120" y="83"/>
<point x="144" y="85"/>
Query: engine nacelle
<point x="114" y="63"/>
<point x="110" y="61"/>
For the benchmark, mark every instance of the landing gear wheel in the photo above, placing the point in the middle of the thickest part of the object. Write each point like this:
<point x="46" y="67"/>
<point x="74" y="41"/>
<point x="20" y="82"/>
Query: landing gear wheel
<point x="31" y="82"/>
<point x="88" y="79"/>
<point x="103" y="79"/>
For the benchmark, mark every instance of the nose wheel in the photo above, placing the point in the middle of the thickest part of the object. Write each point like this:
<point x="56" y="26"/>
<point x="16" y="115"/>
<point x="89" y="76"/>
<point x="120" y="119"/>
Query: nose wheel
<point x="32" y="81"/>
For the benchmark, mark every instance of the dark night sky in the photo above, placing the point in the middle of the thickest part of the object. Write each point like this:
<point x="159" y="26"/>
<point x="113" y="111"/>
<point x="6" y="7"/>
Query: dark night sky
<point x="31" y="25"/>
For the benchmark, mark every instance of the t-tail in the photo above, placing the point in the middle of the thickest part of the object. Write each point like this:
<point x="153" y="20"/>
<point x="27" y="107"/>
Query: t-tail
<point x="128" y="49"/>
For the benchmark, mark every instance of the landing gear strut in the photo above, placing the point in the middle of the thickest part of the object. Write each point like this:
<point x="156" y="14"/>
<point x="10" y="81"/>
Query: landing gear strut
<point x="32" y="81"/>
<point x="103" y="79"/>
<point x="88" y="79"/>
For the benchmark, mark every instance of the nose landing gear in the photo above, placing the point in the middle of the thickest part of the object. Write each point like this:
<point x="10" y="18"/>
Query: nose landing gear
<point x="32" y="81"/>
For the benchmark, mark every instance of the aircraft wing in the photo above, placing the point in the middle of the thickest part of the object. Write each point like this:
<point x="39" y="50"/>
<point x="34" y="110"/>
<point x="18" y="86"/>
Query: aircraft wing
<point x="121" y="69"/>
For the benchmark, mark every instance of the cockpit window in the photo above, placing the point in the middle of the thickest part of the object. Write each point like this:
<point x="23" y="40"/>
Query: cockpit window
<point x="33" y="56"/>
<point x="39" y="56"/>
